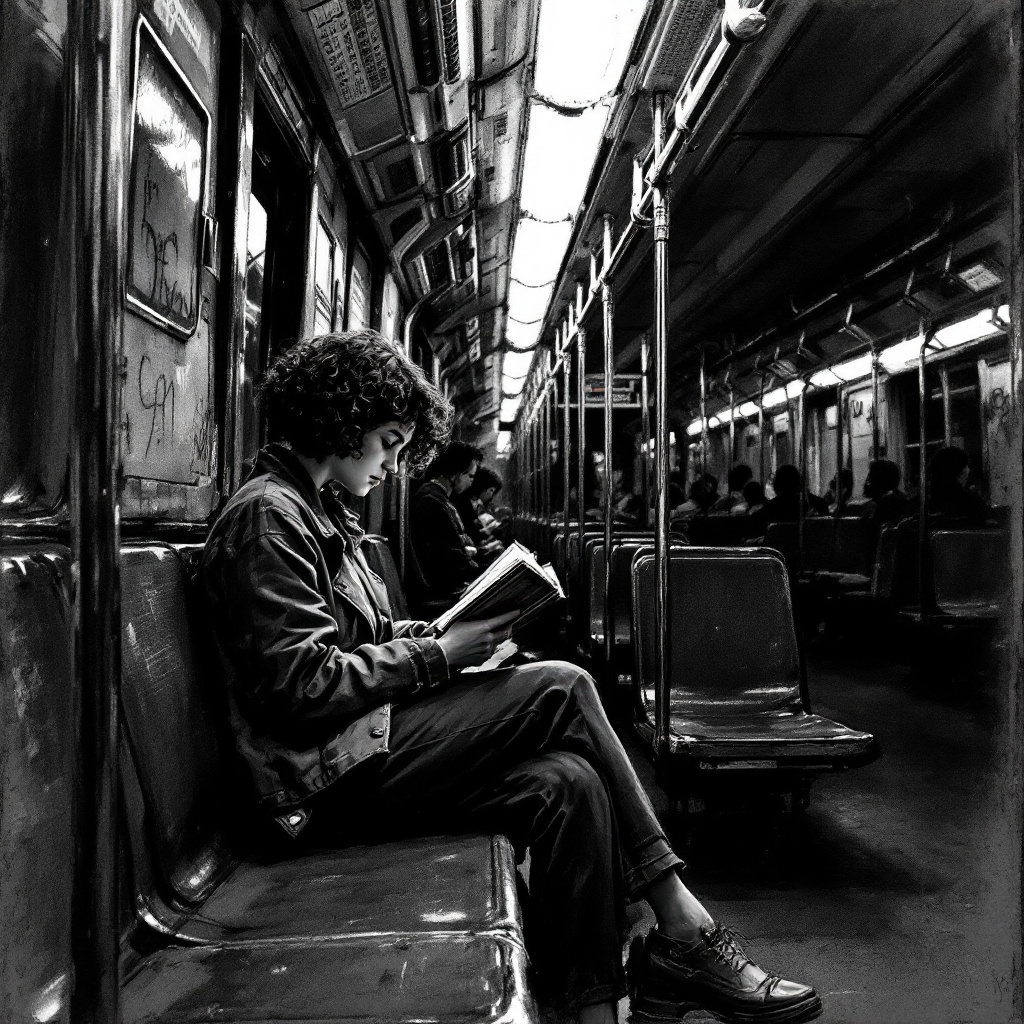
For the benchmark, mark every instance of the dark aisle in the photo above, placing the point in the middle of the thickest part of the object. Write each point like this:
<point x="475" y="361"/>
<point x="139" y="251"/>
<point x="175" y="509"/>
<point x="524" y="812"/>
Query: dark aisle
<point x="896" y="892"/>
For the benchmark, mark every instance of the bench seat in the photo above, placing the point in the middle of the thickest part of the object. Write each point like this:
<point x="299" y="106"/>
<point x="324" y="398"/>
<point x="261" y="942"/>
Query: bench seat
<point x="451" y="884"/>
<point x="472" y="979"/>
<point x="320" y="936"/>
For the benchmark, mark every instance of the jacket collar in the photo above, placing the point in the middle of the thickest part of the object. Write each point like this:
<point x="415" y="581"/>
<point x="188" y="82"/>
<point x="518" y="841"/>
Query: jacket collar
<point x="331" y="515"/>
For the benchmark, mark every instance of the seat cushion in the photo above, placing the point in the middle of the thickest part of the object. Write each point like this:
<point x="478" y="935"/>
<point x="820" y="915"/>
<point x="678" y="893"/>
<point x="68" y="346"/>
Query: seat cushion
<point x="778" y="735"/>
<point x="471" y="979"/>
<point x="448" y="883"/>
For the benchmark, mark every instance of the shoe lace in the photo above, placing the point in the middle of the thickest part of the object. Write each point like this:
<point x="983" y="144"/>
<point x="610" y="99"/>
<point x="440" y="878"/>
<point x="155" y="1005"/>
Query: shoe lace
<point x="725" y="942"/>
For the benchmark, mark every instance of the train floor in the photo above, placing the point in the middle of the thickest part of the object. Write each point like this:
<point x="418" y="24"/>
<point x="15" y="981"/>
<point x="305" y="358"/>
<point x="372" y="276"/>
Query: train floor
<point x="894" y="892"/>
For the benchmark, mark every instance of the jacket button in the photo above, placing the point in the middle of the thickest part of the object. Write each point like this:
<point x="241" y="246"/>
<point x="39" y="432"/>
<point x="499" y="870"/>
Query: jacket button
<point x="377" y="731"/>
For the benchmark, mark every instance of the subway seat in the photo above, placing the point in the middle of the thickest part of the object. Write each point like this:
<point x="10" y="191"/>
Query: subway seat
<point x="420" y="929"/>
<point x="735" y="691"/>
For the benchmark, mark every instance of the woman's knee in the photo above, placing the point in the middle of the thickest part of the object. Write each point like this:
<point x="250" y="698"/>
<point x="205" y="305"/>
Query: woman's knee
<point x="575" y="787"/>
<point x="565" y="677"/>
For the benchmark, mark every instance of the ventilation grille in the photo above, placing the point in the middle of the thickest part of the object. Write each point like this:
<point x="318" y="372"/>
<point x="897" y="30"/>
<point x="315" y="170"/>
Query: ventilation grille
<point x="501" y="125"/>
<point x="450" y="39"/>
<point x="424" y="49"/>
<point x="687" y="23"/>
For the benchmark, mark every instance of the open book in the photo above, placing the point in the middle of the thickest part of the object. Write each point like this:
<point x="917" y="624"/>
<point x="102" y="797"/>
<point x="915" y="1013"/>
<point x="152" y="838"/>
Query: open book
<point x="514" y="580"/>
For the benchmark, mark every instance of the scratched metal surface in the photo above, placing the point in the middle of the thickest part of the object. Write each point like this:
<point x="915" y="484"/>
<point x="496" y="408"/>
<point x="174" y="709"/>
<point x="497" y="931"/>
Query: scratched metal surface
<point x="35" y="359"/>
<point x="468" y="979"/>
<point x="37" y="765"/>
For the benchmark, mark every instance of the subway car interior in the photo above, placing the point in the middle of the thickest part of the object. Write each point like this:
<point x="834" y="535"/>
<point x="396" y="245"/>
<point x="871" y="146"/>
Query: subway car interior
<point x="728" y="293"/>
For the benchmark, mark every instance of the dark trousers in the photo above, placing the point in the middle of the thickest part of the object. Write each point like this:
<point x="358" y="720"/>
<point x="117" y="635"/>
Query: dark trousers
<point x="527" y="752"/>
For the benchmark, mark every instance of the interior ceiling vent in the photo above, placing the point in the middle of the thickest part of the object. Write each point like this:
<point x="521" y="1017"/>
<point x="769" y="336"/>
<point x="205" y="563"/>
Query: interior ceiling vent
<point x="684" y="24"/>
<point x="448" y="20"/>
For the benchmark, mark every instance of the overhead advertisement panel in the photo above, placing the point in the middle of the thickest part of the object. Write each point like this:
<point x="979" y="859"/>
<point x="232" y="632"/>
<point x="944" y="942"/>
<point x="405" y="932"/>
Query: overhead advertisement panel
<point x="349" y="37"/>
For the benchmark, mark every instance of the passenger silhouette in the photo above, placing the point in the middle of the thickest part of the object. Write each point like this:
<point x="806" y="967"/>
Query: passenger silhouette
<point x="948" y="493"/>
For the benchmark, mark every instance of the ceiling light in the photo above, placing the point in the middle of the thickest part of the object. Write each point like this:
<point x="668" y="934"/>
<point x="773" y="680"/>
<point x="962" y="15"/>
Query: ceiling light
<point x="901" y="355"/>
<point x="560" y="152"/>
<point x="539" y="248"/>
<point x="516" y="364"/>
<point x="581" y="57"/>
<point x="512" y="386"/>
<point x="853" y="369"/>
<point x="978" y="326"/>
<point x="747" y="409"/>
<point x="504" y="441"/>
<point x="509" y="408"/>
<point x="774" y="399"/>
<point x="521" y="336"/>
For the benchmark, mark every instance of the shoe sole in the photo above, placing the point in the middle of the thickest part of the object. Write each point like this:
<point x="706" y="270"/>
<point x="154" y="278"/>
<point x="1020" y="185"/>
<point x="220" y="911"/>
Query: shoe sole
<point x="657" y="1010"/>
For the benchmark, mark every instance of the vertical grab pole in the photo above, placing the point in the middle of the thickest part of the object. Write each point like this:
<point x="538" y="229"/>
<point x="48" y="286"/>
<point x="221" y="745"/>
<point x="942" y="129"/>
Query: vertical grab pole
<point x="534" y="457"/>
<point x="608" y="309"/>
<point x="760" y="430"/>
<point x="403" y="480"/>
<point x="543" y="446"/>
<point x="732" y="428"/>
<point x="96" y="99"/>
<point x="876" y="439"/>
<point x="924" y="591"/>
<point x="839" y="450"/>
<point x="566" y="441"/>
<point x="581" y="500"/>
<point x="704" y="441"/>
<point x="801" y="440"/>
<point x="645" y="422"/>
<point x="662" y="608"/>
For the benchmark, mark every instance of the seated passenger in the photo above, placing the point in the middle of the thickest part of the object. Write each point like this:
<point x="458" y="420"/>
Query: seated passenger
<point x="886" y="502"/>
<point x="694" y="504"/>
<point x="353" y="727"/>
<point x="445" y="555"/>
<point x="785" y="506"/>
<point x="828" y="503"/>
<point x="477" y="521"/>
<point x="753" y="499"/>
<point x="948" y="493"/>
<point x="739" y="476"/>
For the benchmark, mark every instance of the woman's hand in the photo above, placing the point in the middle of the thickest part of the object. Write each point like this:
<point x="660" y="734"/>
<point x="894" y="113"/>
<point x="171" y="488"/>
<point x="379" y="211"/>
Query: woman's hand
<point x="472" y="643"/>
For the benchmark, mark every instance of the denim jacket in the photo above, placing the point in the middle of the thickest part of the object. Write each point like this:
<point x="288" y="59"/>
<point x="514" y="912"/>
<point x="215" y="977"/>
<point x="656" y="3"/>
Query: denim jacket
<point x="303" y="629"/>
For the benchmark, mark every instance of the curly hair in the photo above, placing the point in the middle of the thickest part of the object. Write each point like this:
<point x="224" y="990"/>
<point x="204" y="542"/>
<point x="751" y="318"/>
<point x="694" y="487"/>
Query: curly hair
<point x="325" y="393"/>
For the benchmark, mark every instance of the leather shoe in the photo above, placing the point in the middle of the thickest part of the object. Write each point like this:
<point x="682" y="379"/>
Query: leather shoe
<point x="668" y="978"/>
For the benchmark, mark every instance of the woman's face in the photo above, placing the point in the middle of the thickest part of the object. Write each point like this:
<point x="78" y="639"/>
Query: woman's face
<point x="379" y="456"/>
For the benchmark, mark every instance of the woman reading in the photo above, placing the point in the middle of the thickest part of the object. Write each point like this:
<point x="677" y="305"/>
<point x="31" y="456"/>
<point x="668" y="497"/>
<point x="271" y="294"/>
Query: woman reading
<point x="353" y="726"/>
